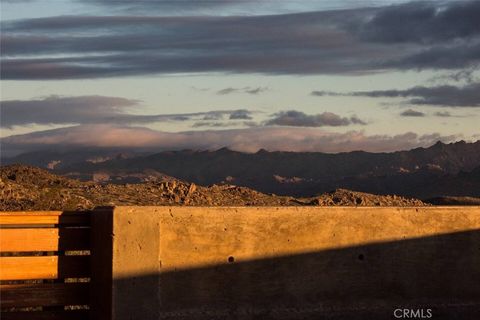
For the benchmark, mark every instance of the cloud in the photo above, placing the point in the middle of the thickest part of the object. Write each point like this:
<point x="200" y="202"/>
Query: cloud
<point x="248" y="90"/>
<point x="348" y="41"/>
<point x="454" y="55"/>
<point x="91" y="110"/>
<point x="17" y="1"/>
<point x="290" y="118"/>
<point x="356" y="120"/>
<point x="423" y="22"/>
<point x="227" y="91"/>
<point x="138" y="45"/>
<point x="211" y="124"/>
<point x="183" y="7"/>
<point x="247" y="140"/>
<point x="444" y="96"/>
<point x="63" y="110"/>
<point x="320" y="93"/>
<point x="241" y="114"/>
<point x="213" y="115"/>
<point x="412" y="113"/>
<point x="444" y="114"/>
<point x="218" y="124"/>
<point x="299" y="119"/>
<point x="465" y="75"/>
<point x="256" y="90"/>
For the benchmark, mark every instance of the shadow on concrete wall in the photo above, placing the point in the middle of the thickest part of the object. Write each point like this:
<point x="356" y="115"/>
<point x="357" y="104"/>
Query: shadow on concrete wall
<point x="441" y="273"/>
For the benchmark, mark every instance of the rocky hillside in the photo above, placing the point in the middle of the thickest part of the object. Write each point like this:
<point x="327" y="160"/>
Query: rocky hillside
<point x="30" y="188"/>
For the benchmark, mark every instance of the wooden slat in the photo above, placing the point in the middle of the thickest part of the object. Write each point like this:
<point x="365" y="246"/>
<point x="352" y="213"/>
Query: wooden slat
<point x="44" y="267"/>
<point x="47" y="315"/>
<point x="44" y="218"/>
<point x="47" y="213"/>
<point x="44" y="239"/>
<point x="48" y="294"/>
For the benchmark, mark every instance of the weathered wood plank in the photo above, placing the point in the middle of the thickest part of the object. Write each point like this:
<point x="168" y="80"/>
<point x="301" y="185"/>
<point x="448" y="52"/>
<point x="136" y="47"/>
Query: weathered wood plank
<point x="32" y="213"/>
<point x="44" y="239"/>
<point x="44" y="294"/>
<point x="47" y="315"/>
<point x="44" y="267"/>
<point x="44" y="218"/>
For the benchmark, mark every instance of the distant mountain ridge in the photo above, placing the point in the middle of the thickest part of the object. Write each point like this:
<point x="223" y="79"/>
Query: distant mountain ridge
<point x="440" y="170"/>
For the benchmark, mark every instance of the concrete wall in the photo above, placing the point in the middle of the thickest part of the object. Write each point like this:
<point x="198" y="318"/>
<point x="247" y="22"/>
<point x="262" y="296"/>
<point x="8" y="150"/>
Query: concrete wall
<point x="293" y="263"/>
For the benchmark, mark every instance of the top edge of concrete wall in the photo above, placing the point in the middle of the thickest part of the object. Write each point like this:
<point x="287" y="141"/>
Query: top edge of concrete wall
<point x="309" y="207"/>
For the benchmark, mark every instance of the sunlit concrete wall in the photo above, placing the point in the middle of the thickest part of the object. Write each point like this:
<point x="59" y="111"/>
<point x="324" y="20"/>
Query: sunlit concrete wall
<point x="293" y="263"/>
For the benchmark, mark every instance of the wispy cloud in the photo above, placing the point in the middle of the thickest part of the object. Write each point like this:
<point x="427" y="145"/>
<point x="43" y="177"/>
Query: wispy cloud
<point x="295" y="118"/>
<point x="445" y="95"/>
<point x="248" y="140"/>
<point x="224" y="124"/>
<point x="444" y="114"/>
<point x="94" y="109"/>
<point x="427" y="22"/>
<point x="465" y="75"/>
<point x="178" y="8"/>
<point x="60" y="110"/>
<point x="412" y="113"/>
<point x="439" y="35"/>
<point x="241" y="114"/>
<point x="248" y="90"/>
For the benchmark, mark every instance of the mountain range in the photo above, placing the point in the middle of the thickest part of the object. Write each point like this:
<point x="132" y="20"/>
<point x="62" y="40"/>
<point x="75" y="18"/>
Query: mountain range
<point x="437" y="171"/>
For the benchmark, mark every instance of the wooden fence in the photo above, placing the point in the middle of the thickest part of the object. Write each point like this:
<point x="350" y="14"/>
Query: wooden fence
<point x="245" y="263"/>
<point x="45" y="265"/>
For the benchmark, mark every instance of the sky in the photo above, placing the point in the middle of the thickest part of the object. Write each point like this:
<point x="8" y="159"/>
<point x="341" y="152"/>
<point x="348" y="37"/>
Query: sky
<point x="328" y="76"/>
